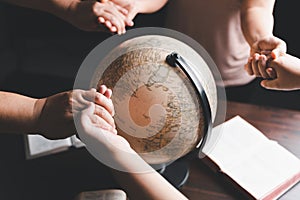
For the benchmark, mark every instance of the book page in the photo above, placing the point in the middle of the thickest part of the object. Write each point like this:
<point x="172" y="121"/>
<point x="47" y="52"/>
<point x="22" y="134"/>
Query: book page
<point x="232" y="136"/>
<point x="257" y="164"/>
<point x="38" y="145"/>
<point x="76" y="142"/>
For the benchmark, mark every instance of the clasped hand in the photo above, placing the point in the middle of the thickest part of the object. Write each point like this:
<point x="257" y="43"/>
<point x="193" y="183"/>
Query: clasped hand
<point x="268" y="59"/>
<point x="115" y="15"/>
<point x="54" y="115"/>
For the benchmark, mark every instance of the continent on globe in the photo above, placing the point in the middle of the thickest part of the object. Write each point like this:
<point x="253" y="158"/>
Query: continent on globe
<point x="158" y="108"/>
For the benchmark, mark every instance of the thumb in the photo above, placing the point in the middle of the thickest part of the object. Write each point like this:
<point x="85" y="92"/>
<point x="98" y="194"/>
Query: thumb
<point x="277" y="52"/>
<point x="82" y="121"/>
<point x="270" y="84"/>
<point x="131" y="15"/>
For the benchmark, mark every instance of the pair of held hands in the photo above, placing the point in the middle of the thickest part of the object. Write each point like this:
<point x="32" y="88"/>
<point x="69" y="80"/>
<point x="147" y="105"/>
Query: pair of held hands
<point x="91" y="15"/>
<point x="268" y="59"/>
<point x="55" y="113"/>
<point x="90" y="114"/>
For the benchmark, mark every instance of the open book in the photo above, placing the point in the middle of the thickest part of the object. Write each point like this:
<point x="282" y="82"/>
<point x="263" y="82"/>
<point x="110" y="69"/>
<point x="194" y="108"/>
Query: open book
<point x="260" y="167"/>
<point x="37" y="145"/>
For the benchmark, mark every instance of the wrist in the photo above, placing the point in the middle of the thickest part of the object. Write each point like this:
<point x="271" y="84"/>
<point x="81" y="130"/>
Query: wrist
<point x="139" y="6"/>
<point x="260" y="37"/>
<point x="69" y="9"/>
<point x="36" y="115"/>
<point x="61" y="8"/>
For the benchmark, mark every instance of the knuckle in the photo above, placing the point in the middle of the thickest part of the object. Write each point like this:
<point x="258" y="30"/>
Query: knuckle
<point x="95" y="7"/>
<point x="100" y="111"/>
<point x="71" y="102"/>
<point x="111" y="19"/>
<point x="98" y="97"/>
<point x="90" y="95"/>
<point x="68" y="97"/>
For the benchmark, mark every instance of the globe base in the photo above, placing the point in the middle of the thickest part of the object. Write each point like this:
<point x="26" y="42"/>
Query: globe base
<point x="176" y="173"/>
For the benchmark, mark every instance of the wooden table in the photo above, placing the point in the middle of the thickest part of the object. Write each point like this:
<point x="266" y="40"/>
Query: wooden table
<point x="277" y="124"/>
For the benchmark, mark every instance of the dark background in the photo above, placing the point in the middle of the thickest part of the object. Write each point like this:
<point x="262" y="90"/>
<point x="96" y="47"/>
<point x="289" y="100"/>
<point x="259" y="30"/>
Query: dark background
<point x="46" y="53"/>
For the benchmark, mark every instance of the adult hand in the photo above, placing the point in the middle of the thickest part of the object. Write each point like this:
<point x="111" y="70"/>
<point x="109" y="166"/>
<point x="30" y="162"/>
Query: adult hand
<point x="114" y="151"/>
<point x="88" y="15"/>
<point x="105" y="145"/>
<point x="287" y="69"/>
<point x="132" y="6"/>
<point x="262" y="51"/>
<point x="54" y="115"/>
<point x="91" y="127"/>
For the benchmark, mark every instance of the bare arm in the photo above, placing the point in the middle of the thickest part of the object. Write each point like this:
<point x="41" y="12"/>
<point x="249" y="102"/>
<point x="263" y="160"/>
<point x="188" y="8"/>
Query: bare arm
<point x="257" y="19"/>
<point x="16" y="113"/>
<point x="51" y="117"/>
<point x="56" y="7"/>
<point x="150" y="6"/>
<point x="88" y="15"/>
<point x="149" y="186"/>
<point x="287" y="69"/>
<point x="257" y="24"/>
<point x="136" y="177"/>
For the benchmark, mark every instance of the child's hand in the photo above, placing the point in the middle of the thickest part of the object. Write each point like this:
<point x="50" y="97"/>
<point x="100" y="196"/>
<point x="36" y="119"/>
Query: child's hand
<point x="263" y="51"/>
<point x="287" y="70"/>
<point x="257" y="65"/>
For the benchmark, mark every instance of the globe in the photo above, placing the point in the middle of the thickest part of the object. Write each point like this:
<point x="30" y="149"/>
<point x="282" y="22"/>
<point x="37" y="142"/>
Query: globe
<point x="158" y="107"/>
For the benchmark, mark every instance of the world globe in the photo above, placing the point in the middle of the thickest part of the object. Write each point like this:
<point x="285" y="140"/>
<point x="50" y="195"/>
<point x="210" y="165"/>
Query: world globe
<point x="164" y="95"/>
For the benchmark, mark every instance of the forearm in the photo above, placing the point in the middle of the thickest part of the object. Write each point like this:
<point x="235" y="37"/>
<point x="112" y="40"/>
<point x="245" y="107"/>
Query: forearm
<point x="137" y="175"/>
<point x="150" y="6"/>
<point x="257" y="19"/>
<point x="147" y="186"/>
<point x="55" y="7"/>
<point x="16" y="113"/>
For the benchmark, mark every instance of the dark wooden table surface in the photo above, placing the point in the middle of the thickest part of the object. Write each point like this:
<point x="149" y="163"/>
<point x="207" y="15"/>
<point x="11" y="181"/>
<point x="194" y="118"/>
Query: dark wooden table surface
<point x="277" y="124"/>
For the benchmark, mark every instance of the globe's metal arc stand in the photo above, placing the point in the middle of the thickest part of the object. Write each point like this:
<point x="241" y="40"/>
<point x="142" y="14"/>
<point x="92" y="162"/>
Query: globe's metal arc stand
<point x="177" y="173"/>
<point x="174" y="60"/>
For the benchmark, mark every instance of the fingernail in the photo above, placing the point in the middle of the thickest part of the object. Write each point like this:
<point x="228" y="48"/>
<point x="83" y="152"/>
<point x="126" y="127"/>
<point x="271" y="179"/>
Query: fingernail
<point x="273" y="55"/>
<point x="101" y="19"/>
<point x="129" y="23"/>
